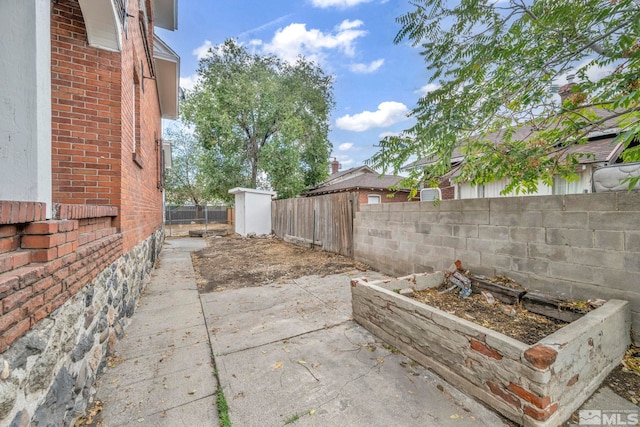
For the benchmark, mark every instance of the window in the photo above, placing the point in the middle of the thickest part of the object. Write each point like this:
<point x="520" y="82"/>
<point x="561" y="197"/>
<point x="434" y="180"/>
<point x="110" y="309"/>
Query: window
<point x="373" y="199"/>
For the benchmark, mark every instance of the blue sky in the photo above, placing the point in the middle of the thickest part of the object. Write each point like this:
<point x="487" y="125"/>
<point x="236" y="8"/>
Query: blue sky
<point x="376" y="83"/>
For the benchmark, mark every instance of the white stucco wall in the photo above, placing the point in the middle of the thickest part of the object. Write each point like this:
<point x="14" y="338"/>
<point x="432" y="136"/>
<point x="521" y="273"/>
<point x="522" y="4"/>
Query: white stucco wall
<point x="25" y="101"/>
<point x="253" y="210"/>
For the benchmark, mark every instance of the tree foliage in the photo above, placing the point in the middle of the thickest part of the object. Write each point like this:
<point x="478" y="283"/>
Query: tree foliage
<point x="261" y="117"/>
<point x="185" y="181"/>
<point x="494" y="64"/>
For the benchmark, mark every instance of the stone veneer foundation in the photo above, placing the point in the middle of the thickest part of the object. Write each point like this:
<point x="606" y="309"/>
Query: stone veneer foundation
<point x="52" y="368"/>
<point x="538" y="385"/>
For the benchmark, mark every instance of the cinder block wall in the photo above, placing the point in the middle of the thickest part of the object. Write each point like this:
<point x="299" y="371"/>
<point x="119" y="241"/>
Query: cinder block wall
<point x="575" y="246"/>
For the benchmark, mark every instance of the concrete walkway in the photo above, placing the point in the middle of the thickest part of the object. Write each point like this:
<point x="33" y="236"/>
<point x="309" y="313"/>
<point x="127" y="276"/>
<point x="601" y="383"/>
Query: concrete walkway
<point x="285" y="353"/>
<point x="163" y="374"/>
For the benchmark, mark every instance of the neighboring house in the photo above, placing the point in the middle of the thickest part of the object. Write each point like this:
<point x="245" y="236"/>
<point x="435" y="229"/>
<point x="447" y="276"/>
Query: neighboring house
<point x="600" y="144"/>
<point x="85" y="86"/>
<point x="371" y="186"/>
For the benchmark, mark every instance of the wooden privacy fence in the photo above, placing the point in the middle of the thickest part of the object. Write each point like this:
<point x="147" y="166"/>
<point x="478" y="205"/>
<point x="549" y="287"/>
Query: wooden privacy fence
<point x="322" y="221"/>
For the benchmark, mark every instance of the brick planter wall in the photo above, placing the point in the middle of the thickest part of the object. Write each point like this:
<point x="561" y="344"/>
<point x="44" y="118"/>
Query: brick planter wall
<point x="538" y="385"/>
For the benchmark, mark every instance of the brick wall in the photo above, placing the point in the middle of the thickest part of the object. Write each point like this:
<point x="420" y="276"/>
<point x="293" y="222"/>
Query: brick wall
<point x="574" y="247"/>
<point x="141" y="209"/>
<point x="101" y="103"/>
<point x="85" y="113"/>
<point x="43" y="263"/>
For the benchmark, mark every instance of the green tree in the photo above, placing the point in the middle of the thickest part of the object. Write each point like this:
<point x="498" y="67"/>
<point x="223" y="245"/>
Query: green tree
<point x="261" y="116"/>
<point x="493" y="64"/>
<point x="185" y="181"/>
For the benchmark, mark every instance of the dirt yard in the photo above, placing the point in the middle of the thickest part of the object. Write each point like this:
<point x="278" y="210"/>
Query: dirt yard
<point x="237" y="262"/>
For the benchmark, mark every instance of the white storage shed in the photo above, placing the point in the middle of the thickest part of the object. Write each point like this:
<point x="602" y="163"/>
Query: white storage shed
<point x="253" y="210"/>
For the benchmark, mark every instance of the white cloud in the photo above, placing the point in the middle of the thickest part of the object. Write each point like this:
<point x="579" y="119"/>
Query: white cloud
<point x="345" y="147"/>
<point x="203" y="50"/>
<point x="429" y="87"/>
<point x="383" y="135"/>
<point x="342" y="4"/>
<point x="189" y="82"/>
<point x="366" y="68"/>
<point x="388" y="113"/>
<point x="294" y="40"/>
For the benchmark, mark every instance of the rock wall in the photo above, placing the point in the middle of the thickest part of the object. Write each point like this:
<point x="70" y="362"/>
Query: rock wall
<point x="539" y="385"/>
<point x="46" y="376"/>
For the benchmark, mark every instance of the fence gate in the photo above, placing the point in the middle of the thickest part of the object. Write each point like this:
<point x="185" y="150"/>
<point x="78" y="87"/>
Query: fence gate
<point x="322" y="221"/>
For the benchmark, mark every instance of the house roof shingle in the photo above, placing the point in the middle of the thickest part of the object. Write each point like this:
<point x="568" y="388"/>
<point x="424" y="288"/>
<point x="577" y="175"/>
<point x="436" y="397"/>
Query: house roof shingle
<point x="367" y="180"/>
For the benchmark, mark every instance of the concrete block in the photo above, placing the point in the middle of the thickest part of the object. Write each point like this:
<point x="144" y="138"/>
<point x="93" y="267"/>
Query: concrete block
<point x="476" y="205"/>
<point x="465" y="230"/>
<point x="542" y="203"/>
<point x="565" y="219"/>
<point x="435" y="229"/>
<point x="527" y="234"/>
<point x="550" y="252"/>
<point x="492" y="232"/>
<point x="614" y="240"/>
<point x="454" y="242"/>
<point x="573" y="272"/>
<point x="631" y="240"/>
<point x="425" y="281"/>
<point x="614" y="220"/>
<point x="632" y="262"/>
<point x="505" y="204"/>
<point x="406" y="292"/>
<point x="535" y="266"/>
<point x="475" y="217"/>
<point x="565" y="237"/>
<point x="597" y="257"/>
<point x="496" y="261"/>
<point x="429" y="206"/>
<point x="470" y="259"/>
<point x="590" y="202"/>
<point x="615" y="279"/>
<point x="628" y="200"/>
<point x="480" y="245"/>
<point x="454" y="217"/>
<point x="514" y="249"/>
<point x="451" y="205"/>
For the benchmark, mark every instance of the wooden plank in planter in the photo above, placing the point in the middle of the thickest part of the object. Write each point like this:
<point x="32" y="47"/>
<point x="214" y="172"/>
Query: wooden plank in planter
<point x="550" y="307"/>
<point x="501" y="293"/>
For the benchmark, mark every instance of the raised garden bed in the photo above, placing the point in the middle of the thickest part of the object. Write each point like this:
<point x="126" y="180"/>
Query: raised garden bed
<point x="538" y="384"/>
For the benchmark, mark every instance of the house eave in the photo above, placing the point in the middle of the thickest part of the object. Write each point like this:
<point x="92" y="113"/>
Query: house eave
<point x="102" y="24"/>
<point x="167" y="64"/>
<point x="165" y="14"/>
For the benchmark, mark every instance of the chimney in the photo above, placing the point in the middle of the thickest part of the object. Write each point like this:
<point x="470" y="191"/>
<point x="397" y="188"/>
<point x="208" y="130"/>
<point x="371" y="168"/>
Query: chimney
<point x="565" y="90"/>
<point x="335" y="166"/>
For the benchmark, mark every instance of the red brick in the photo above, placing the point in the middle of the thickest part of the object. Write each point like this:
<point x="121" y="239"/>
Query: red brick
<point x="573" y="380"/>
<point x="21" y="258"/>
<point x="15" y="332"/>
<point x="539" y="401"/>
<point x="540" y="414"/>
<point x="42" y="227"/>
<point x="8" y="284"/>
<point x="52" y="293"/>
<point x="8" y="244"/>
<point x="33" y="304"/>
<point x="44" y="255"/>
<point x="43" y="284"/>
<point x="503" y="394"/>
<point x="30" y="274"/>
<point x="540" y="356"/>
<point x="8" y="230"/>
<point x="9" y="319"/>
<point x="15" y="299"/>
<point x="67" y="248"/>
<point x="485" y="349"/>
<point x="42" y="241"/>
